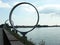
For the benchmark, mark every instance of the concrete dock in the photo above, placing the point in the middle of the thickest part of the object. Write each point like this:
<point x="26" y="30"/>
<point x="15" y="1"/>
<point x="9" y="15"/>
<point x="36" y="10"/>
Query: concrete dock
<point x="12" y="40"/>
<point x="1" y="37"/>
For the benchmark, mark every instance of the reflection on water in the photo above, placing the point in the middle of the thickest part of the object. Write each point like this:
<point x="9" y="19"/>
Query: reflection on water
<point x="50" y="35"/>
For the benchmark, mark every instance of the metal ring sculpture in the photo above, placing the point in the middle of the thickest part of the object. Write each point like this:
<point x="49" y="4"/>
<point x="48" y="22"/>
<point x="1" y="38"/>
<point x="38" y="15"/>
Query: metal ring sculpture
<point x="10" y="15"/>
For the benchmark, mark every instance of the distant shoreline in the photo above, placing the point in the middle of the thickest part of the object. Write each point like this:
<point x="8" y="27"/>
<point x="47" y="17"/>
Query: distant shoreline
<point x="33" y="26"/>
<point x="23" y="26"/>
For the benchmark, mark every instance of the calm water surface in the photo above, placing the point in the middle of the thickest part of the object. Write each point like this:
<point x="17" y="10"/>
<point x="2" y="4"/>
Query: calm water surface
<point x="50" y="35"/>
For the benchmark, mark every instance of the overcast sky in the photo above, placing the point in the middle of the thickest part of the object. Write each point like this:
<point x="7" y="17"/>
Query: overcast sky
<point x="49" y="12"/>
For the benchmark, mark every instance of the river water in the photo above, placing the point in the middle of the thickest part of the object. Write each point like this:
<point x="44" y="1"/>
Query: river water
<point x="50" y="35"/>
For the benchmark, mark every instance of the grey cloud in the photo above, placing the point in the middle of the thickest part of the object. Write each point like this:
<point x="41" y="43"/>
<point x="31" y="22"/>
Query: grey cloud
<point x="49" y="10"/>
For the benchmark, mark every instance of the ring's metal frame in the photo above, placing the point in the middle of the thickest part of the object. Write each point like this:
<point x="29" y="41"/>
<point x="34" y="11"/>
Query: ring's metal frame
<point x="10" y="15"/>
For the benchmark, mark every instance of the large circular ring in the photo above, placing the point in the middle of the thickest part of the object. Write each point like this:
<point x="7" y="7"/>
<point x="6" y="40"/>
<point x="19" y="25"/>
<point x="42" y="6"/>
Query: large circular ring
<point x="10" y="15"/>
